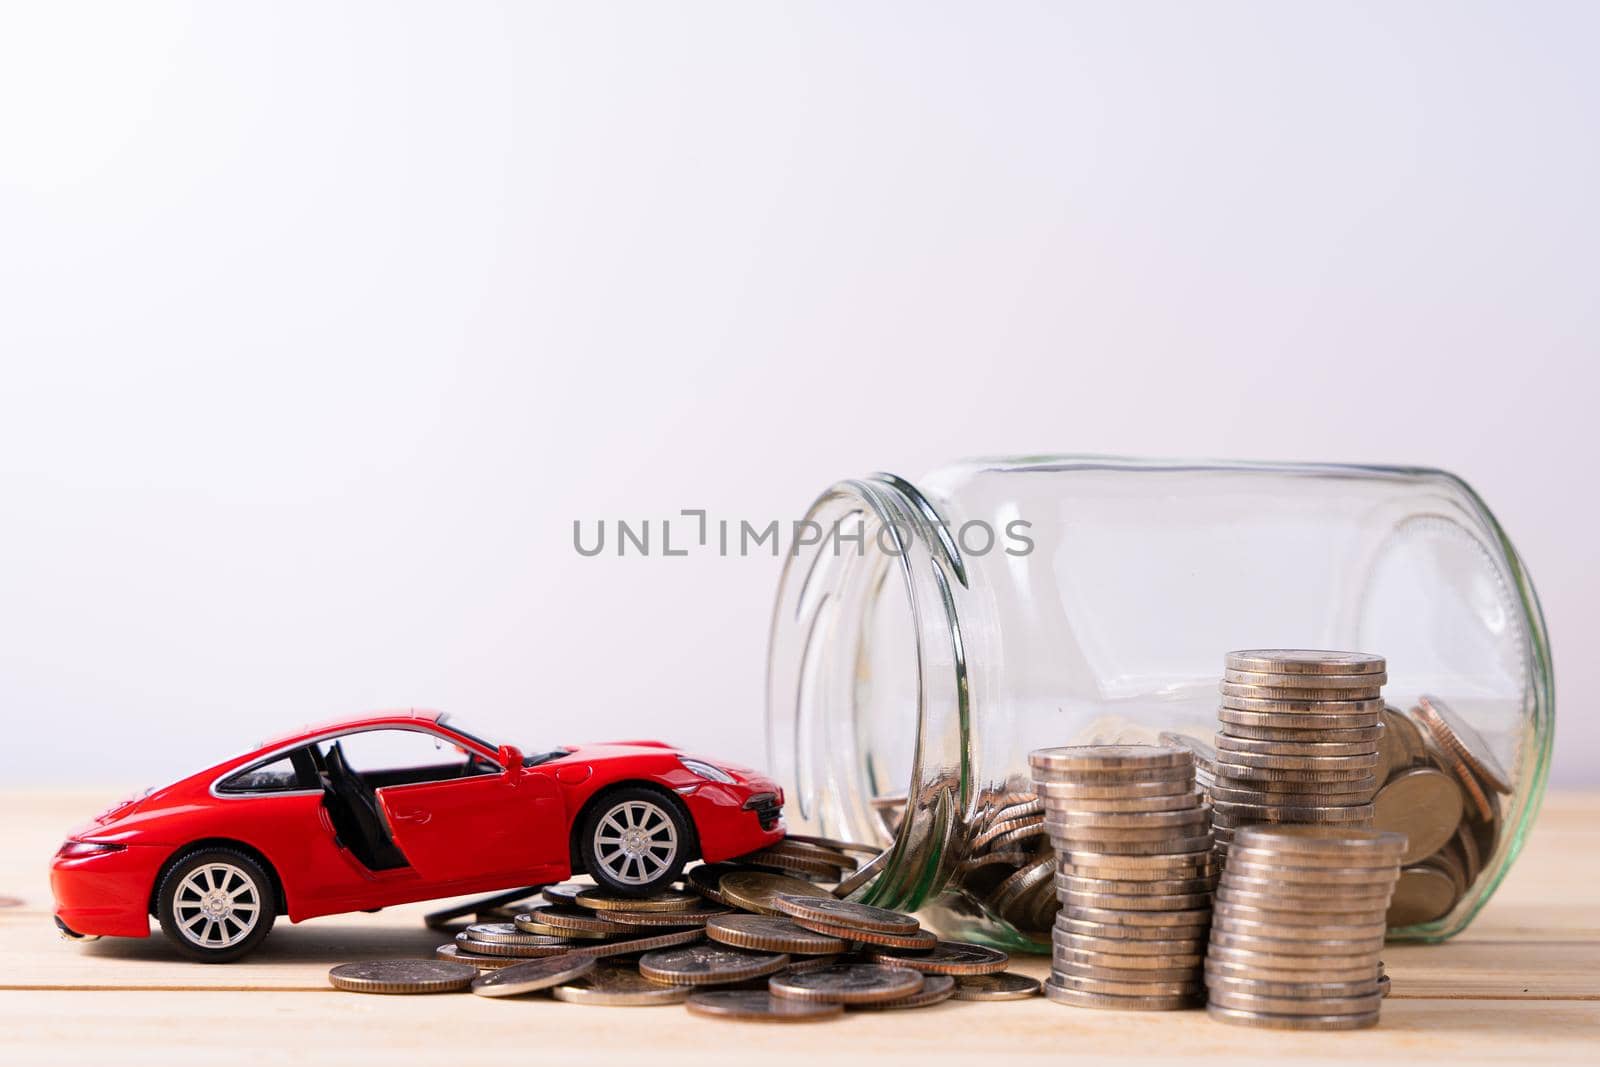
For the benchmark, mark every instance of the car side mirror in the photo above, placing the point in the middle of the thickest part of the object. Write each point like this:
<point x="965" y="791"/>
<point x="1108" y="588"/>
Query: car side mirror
<point x="510" y="757"/>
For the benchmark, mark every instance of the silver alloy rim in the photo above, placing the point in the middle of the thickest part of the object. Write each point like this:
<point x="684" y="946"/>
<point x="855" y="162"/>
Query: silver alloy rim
<point x="217" y="905"/>
<point x="635" y="842"/>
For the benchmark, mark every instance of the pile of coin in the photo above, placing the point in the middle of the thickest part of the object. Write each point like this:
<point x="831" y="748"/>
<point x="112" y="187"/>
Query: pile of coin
<point x="1441" y="788"/>
<point x="1132" y="840"/>
<point x="754" y="939"/>
<point x="1297" y="740"/>
<point x="1298" y="925"/>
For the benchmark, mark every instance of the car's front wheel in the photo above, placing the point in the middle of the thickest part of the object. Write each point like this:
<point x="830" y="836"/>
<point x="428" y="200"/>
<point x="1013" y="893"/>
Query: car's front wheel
<point x="216" y="904"/>
<point x="635" y="841"/>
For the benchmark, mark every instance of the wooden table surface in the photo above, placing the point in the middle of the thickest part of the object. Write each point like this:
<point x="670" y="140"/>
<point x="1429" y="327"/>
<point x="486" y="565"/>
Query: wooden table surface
<point x="1522" y="985"/>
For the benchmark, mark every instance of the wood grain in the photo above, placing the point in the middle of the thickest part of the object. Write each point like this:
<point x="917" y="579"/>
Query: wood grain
<point x="1522" y="984"/>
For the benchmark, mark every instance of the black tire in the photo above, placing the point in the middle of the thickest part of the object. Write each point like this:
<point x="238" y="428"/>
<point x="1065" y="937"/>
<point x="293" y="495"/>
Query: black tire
<point x="190" y="916"/>
<point x="636" y="866"/>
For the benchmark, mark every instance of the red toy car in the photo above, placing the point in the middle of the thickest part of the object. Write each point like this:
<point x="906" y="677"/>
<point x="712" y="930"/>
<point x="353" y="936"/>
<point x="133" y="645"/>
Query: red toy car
<point x="390" y="808"/>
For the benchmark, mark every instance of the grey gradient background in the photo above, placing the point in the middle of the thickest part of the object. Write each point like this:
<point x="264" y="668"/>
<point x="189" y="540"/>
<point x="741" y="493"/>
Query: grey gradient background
<point x="320" y="323"/>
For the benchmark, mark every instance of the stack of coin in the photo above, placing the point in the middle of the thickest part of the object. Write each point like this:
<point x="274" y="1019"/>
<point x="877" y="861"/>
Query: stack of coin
<point x="1441" y="788"/>
<point x="1297" y="740"/>
<point x="1298" y="925"/>
<point x="1133" y="847"/>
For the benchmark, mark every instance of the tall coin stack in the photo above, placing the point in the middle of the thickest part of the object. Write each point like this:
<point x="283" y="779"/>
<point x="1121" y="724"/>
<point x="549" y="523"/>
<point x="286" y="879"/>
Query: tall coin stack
<point x="1298" y="925"/>
<point x="1133" y="848"/>
<point x="1297" y="740"/>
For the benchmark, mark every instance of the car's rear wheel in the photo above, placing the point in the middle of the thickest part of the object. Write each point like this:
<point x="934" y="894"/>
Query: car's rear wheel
<point x="216" y="904"/>
<point x="635" y="841"/>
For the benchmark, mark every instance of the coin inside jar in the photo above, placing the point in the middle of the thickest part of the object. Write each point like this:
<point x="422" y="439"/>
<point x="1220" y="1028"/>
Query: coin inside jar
<point x="1422" y="803"/>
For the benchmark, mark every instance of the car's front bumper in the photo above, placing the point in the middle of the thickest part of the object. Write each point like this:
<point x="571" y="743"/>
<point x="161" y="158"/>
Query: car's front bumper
<point x="108" y="893"/>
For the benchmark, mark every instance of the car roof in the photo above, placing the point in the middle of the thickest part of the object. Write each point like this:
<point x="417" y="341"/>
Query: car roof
<point x="392" y="717"/>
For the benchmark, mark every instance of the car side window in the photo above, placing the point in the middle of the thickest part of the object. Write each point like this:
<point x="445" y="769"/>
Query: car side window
<point x="278" y="776"/>
<point x="402" y="757"/>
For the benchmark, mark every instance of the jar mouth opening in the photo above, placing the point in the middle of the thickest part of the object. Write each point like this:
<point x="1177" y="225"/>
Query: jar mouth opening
<point x="866" y="618"/>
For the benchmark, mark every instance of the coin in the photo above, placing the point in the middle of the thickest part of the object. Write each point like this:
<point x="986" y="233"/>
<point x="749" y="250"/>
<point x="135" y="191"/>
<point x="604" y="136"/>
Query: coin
<point x="507" y="934"/>
<point x="759" y="1006"/>
<point x="402" y="976"/>
<point x="848" y="983"/>
<point x="641" y="944"/>
<point x="1456" y="735"/>
<point x="1174" y="947"/>
<point x="1072" y="883"/>
<point x="1175" y="791"/>
<point x="1422" y="803"/>
<point x="1288" y="912"/>
<point x="920" y="941"/>
<point x="1288" y="946"/>
<point x="1264" y="968"/>
<point x="1315" y="749"/>
<point x="1062" y="994"/>
<point x="531" y="975"/>
<point x="1354" y="770"/>
<point x="1304" y="682"/>
<point x="618" y="985"/>
<point x="1065" y="955"/>
<point x="453" y="954"/>
<point x="1360" y="1005"/>
<point x="946" y="957"/>
<point x="1304" y="661"/>
<point x="1365" y="879"/>
<point x="1070" y="966"/>
<point x="1165" y="845"/>
<point x="837" y="845"/>
<point x="1141" y="758"/>
<point x="565" y="894"/>
<point x="794" y="863"/>
<point x="1291" y="1022"/>
<point x="1231" y="922"/>
<point x="863" y="875"/>
<point x="936" y="988"/>
<point x="1173" y="865"/>
<point x="1309" y="896"/>
<point x="844" y="913"/>
<point x="1186" y="917"/>
<point x="680" y="919"/>
<point x="1373" y="735"/>
<point x="772" y="933"/>
<point x="758" y="890"/>
<point x="663" y="900"/>
<point x="708" y="964"/>
<point x="1360" y="988"/>
<point x="1065" y="924"/>
<point x="528" y="925"/>
<point x="1297" y="844"/>
<point x="1004" y="985"/>
<point x="523" y="950"/>
<point x="1127" y="989"/>
<point x="438" y="920"/>
<point x="1422" y="894"/>
<point x="1300" y="714"/>
<point x="1141" y="903"/>
<point x="1228" y="795"/>
<point x="1350" y="694"/>
<point x="1181" y="819"/>
<point x="1231" y="815"/>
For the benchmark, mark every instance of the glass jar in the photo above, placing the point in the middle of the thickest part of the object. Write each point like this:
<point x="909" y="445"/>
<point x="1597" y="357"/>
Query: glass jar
<point x="927" y="637"/>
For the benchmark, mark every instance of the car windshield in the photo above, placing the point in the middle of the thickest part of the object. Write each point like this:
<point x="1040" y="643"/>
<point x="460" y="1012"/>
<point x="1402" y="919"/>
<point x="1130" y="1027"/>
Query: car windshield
<point x="450" y="722"/>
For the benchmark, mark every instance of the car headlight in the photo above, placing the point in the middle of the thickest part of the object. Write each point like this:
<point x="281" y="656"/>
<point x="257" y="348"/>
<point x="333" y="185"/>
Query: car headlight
<point x="77" y="850"/>
<point x="706" y="770"/>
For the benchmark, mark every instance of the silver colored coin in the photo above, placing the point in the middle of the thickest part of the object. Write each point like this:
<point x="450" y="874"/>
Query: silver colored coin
<point x="618" y="985"/>
<point x="772" y="933"/>
<point x="1065" y="924"/>
<point x="1071" y="883"/>
<point x="1333" y="846"/>
<point x="1300" y="714"/>
<point x="1338" y="791"/>
<point x="1365" y="879"/>
<point x="1174" y="948"/>
<point x="758" y="1005"/>
<point x="1100" y="973"/>
<point x="1063" y="994"/>
<point x="1091" y="758"/>
<point x="955" y="958"/>
<point x="528" y="950"/>
<point x="1228" y="761"/>
<point x="1310" y="896"/>
<point x="1002" y="986"/>
<point x="1287" y="913"/>
<point x="572" y="921"/>
<point x="1226" y="795"/>
<point x="1231" y="816"/>
<point x="1116" y="963"/>
<point x="1304" y="661"/>
<point x="1290" y="946"/>
<point x="1304" y="682"/>
<point x="1269" y="1021"/>
<point x="1456" y="736"/>
<point x="1284" y="695"/>
<point x="1303" y="735"/>
<point x="1310" y="989"/>
<point x="1227" y="921"/>
<point x="1174" y="791"/>
<point x="507" y="934"/>
<point x="1260" y="962"/>
<point x="1423" y="804"/>
<point x="1202" y="752"/>
<point x="1422" y="894"/>
<point x="848" y="983"/>
<point x="1106" y="902"/>
<point x="1188" y="917"/>
<point x="1217" y="967"/>
<point x="1226" y="768"/>
<point x="1301" y="748"/>
<point x="600" y="899"/>
<point x="1179" y="864"/>
<point x="1190" y="987"/>
<point x="565" y="894"/>
<point x="1180" y="819"/>
<point x="451" y="953"/>
<point x="1360" y="1005"/>
<point x="402" y="976"/>
<point x="1166" y="846"/>
<point x="708" y="964"/>
<point x="531" y="975"/>
<point x="845" y="913"/>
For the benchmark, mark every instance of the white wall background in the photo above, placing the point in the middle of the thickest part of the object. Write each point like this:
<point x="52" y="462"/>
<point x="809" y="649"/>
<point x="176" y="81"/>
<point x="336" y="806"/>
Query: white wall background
<point x="320" y="323"/>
